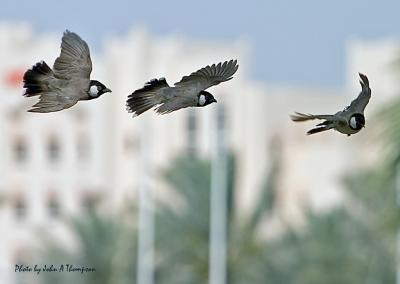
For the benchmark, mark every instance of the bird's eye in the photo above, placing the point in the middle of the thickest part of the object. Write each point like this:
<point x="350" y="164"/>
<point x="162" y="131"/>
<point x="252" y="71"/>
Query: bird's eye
<point x="93" y="91"/>
<point x="202" y="100"/>
<point x="353" y="122"/>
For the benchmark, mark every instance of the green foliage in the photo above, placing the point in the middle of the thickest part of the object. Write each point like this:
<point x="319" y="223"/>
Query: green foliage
<point x="342" y="246"/>
<point x="333" y="248"/>
<point x="106" y="244"/>
<point x="388" y="129"/>
<point x="182" y="238"/>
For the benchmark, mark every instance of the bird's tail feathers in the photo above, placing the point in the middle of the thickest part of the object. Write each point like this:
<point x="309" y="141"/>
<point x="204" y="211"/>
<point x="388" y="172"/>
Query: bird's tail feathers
<point x="145" y="98"/>
<point x="323" y="126"/>
<point x="36" y="79"/>
<point x="301" y="116"/>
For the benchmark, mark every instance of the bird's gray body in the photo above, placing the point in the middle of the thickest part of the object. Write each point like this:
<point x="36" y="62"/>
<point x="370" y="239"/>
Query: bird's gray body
<point x="182" y="94"/>
<point x="185" y="93"/>
<point x="69" y="80"/>
<point x="341" y="121"/>
<point x="66" y="90"/>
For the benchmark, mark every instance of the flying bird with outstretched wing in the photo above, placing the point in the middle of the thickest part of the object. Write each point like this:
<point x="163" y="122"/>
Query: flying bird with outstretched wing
<point x="69" y="80"/>
<point x="188" y="92"/>
<point x="348" y="121"/>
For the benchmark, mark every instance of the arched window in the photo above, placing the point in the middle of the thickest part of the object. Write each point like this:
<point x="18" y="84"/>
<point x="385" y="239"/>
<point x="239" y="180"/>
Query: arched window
<point x="20" y="207"/>
<point x="53" y="149"/>
<point x="20" y="151"/>
<point x="221" y="117"/>
<point x="83" y="147"/>
<point x="90" y="200"/>
<point x="191" y="132"/>
<point x="53" y="205"/>
<point x="131" y="143"/>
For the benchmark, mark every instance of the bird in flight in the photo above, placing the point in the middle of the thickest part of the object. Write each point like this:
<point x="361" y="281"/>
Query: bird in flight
<point x="69" y="80"/>
<point x="188" y="92"/>
<point x="348" y="121"/>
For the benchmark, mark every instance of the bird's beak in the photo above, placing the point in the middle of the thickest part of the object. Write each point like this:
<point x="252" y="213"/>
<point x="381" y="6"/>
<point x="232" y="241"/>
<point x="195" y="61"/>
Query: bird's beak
<point x="106" y="90"/>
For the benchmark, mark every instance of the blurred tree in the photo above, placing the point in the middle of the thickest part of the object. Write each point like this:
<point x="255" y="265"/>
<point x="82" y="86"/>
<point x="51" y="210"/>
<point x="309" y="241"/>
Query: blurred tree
<point x="107" y="244"/>
<point x="333" y="248"/>
<point x="388" y="128"/>
<point x="357" y="242"/>
<point x="182" y="237"/>
<point x="342" y="246"/>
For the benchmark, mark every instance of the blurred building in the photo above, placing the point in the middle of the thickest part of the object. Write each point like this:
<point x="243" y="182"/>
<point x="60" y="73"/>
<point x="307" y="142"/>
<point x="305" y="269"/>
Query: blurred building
<point x="51" y="165"/>
<point x="94" y="153"/>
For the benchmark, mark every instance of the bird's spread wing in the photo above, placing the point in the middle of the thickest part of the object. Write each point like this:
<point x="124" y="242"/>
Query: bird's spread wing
<point x="358" y="105"/>
<point x="210" y="75"/>
<point x="54" y="101"/>
<point x="74" y="60"/>
<point x="321" y="127"/>
<point x="303" y="117"/>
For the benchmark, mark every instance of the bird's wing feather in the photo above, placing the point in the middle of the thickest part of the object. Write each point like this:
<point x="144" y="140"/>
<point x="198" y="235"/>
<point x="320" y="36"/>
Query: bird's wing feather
<point x="320" y="129"/>
<point x="53" y="101"/>
<point x="74" y="60"/>
<point x="358" y="105"/>
<point x="210" y="75"/>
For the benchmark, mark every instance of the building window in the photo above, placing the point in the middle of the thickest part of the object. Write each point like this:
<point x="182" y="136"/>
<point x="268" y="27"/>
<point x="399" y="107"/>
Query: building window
<point x="53" y="150"/>
<point x="131" y="144"/>
<point x="83" y="148"/>
<point x="90" y="201"/>
<point x="20" y="151"/>
<point x="20" y="208"/>
<point x="80" y="115"/>
<point x="53" y="206"/>
<point x="221" y="117"/>
<point x="191" y="130"/>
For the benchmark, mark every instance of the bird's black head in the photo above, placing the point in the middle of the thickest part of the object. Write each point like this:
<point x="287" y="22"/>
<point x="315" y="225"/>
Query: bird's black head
<point x="96" y="89"/>
<point x="205" y="98"/>
<point x="357" y="121"/>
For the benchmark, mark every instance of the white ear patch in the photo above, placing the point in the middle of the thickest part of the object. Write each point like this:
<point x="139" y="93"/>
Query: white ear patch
<point x="202" y="100"/>
<point x="93" y="91"/>
<point x="353" y="122"/>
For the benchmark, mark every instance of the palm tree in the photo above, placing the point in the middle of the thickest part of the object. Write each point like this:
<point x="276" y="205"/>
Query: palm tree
<point x="107" y="244"/>
<point x="182" y="238"/>
<point x="341" y="246"/>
